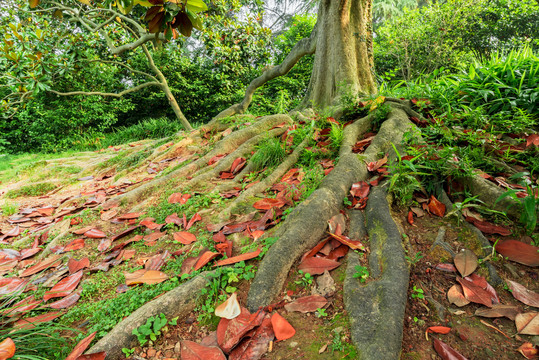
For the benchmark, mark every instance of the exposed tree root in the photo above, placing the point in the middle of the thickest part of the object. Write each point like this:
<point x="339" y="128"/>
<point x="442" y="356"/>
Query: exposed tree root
<point x="376" y="310"/>
<point x="178" y="302"/>
<point x="227" y="145"/>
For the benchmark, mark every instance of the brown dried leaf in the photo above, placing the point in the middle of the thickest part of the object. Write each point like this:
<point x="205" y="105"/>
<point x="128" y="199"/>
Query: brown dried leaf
<point x="446" y="351"/>
<point x="307" y="304"/>
<point x="527" y="323"/>
<point x="317" y="266"/>
<point x="465" y="262"/>
<point x="64" y="287"/>
<point x="499" y="310"/>
<point x="455" y="295"/>
<point x="523" y="295"/>
<point x="144" y="276"/>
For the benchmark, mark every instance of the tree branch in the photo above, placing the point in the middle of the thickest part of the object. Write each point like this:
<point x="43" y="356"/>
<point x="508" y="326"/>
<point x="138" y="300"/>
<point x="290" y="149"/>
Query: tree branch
<point x="125" y="66"/>
<point x="304" y="47"/>
<point x="117" y="95"/>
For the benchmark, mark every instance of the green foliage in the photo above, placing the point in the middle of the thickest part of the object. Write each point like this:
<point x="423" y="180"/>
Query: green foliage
<point x="269" y="153"/>
<point x="31" y="190"/>
<point x="320" y="313"/>
<point x="404" y="178"/>
<point x="417" y="293"/>
<point x="414" y="260"/>
<point x="529" y="206"/>
<point x="362" y="273"/>
<point x="9" y="209"/>
<point x="152" y="328"/>
<point x="336" y="136"/>
<point x="305" y="279"/>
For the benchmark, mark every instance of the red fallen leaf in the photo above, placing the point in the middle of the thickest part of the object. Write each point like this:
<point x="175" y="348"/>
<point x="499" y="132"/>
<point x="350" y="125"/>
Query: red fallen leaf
<point x="315" y="249"/>
<point x="130" y="216"/>
<point x="27" y="253"/>
<point x="292" y="176"/>
<point x="174" y="219"/>
<point x="230" y="332"/>
<point x="76" y="244"/>
<point x="127" y="242"/>
<point x="64" y="287"/>
<point x="51" y="261"/>
<point x="157" y="261"/>
<point x="360" y="189"/>
<point x="317" y="266"/>
<point x="499" y="310"/>
<point x="22" y="306"/>
<point x="282" y="328"/>
<point x="523" y="295"/>
<point x="236" y="228"/>
<point x="150" y="224"/>
<point x="185" y="237"/>
<point x="474" y="293"/>
<point x="7" y="349"/>
<point x="256" y="342"/>
<point x="224" y="248"/>
<point x="532" y="139"/>
<point x="519" y="252"/>
<point x="446" y="351"/>
<point x="215" y="159"/>
<point x="81" y="347"/>
<point x="144" y="276"/>
<point x="12" y="285"/>
<point x="107" y="215"/>
<point x="95" y="356"/>
<point x="527" y="323"/>
<point x="307" y="304"/>
<point x="528" y="350"/>
<point x="352" y="244"/>
<point x="192" y="351"/>
<point x="29" y="323"/>
<point x="235" y="259"/>
<point x="104" y="244"/>
<point x="439" y="329"/>
<point x="66" y="302"/>
<point x="488" y="228"/>
<point x="178" y="198"/>
<point x="268" y="203"/>
<point x="455" y="295"/>
<point x="82" y="230"/>
<point x="219" y="237"/>
<point x="237" y="165"/>
<point x="95" y="234"/>
<point x="436" y="207"/>
<point x="361" y="145"/>
<point x="338" y="252"/>
<point x="410" y="217"/>
<point x="193" y="220"/>
<point x="465" y="262"/>
<point x="154" y="236"/>
<point x="226" y="175"/>
<point x="483" y="284"/>
<point x="204" y="259"/>
<point x="124" y="233"/>
<point x="187" y="265"/>
<point x="375" y="165"/>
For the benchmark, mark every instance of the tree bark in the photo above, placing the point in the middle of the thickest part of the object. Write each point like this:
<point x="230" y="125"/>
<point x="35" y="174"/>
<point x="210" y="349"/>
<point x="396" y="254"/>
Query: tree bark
<point x="344" y="60"/>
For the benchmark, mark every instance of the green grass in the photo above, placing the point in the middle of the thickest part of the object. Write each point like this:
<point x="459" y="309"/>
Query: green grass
<point x="9" y="209"/>
<point x="31" y="190"/>
<point x="269" y="153"/>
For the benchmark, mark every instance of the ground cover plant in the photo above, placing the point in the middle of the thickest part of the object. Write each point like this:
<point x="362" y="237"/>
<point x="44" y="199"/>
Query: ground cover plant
<point x="397" y="224"/>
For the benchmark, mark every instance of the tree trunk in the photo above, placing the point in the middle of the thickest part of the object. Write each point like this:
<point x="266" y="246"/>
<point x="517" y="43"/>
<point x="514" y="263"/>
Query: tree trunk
<point x="344" y="60"/>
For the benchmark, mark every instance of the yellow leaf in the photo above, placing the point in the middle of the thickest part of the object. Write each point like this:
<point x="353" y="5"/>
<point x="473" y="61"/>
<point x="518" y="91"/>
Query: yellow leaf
<point x="86" y="2"/>
<point x="144" y="3"/>
<point x="196" y="6"/>
<point x="33" y="3"/>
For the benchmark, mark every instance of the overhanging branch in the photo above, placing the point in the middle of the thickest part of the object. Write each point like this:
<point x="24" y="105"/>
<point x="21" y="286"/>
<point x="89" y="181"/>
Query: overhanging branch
<point x="117" y="95"/>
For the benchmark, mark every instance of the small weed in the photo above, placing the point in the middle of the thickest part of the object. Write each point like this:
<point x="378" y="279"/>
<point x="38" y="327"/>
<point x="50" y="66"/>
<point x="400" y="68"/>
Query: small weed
<point x="417" y="293"/>
<point x="404" y="180"/>
<point x="320" y="313"/>
<point x="152" y="328"/>
<point x="305" y="280"/>
<point x="128" y="352"/>
<point x="336" y="136"/>
<point x="412" y="261"/>
<point x="362" y="273"/>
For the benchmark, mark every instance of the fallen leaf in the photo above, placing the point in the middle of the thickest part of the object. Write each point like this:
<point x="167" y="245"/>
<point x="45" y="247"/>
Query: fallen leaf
<point x="282" y="328"/>
<point x="81" y="347"/>
<point x="29" y="323"/>
<point x="125" y="232"/>
<point x="529" y="351"/>
<point x="178" y="198"/>
<point x="154" y="236"/>
<point x="375" y="165"/>
<point x="7" y="349"/>
<point x="194" y="219"/>
<point x="465" y="262"/>
<point x="237" y="165"/>
<point x="215" y="159"/>
<point x="499" y="310"/>
<point x="144" y="276"/>
<point x="104" y="244"/>
<point x="307" y="304"/>
<point x="439" y="329"/>
<point x="519" y="252"/>
<point x="256" y="342"/>
<point x="157" y="261"/>
<point x="446" y="267"/>
<point x="523" y="295"/>
<point x="95" y="356"/>
<point x="527" y="323"/>
<point x="487" y="227"/>
<point x="192" y="351"/>
<point x="76" y="244"/>
<point x="64" y="287"/>
<point x="236" y="259"/>
<point x="130" y="216"/>
<point x="446" y="351"/>
<point x="148" y="223"/>
<point x="410" y="217"/>
<point x="229" y="309"/>
<point x="268" y="203"/>
<point x="532" y="139"/>
<point x="230" y="332"/>
<point x="317" y="266"/>
<point x="51" y="261"/>
<point x="483" y="284"/>
<point x="352" y="244"/>
<point x="204" y="259"/>
<point x="185" y="237"/>
<point x="474" y="293"/>
<point x="360" y="189"/>
<point x="455" y="295"/>
<point x="66" y="302"/>
<point x="174" y="219"/>
<point x="95" y="234"/>
<point x="22" y="306"/>
<point x="436" y="207"/>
